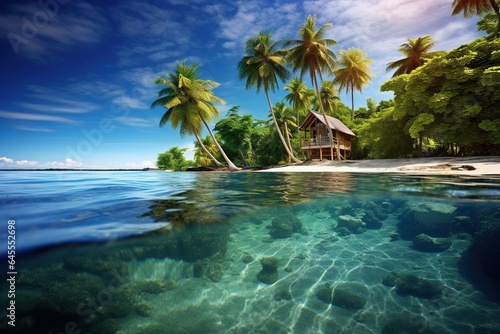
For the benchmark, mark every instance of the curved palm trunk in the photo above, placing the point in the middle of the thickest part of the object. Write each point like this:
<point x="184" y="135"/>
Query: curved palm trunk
<point x="326" y="120"/>
<point x="232" y="167"/>
<point x="288" y="150"/>
<point x="203" y="147"/>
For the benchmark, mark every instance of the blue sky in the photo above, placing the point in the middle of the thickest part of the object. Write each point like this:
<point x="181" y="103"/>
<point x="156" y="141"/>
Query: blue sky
<point x="77" y="75"/>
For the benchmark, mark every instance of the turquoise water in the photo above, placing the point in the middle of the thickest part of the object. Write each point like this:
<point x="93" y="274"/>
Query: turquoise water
<point x="159" y="252"/>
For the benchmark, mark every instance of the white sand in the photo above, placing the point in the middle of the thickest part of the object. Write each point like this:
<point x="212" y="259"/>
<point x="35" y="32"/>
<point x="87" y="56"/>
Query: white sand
<point x="438" y="166"/>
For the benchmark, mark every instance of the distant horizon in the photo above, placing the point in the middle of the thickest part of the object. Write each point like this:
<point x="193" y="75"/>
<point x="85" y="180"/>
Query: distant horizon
<point x="77" y="76"/>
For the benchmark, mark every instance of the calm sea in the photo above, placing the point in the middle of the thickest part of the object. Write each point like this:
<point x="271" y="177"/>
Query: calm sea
<point x="169" y="252"/>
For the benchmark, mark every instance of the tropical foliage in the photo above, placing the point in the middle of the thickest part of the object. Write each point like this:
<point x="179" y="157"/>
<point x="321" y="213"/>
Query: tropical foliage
<point x="311" y="54"/>
<point x="416" y="52"/>
<point x="454" y="98"/>
<point x="189" y="102"/>
<point x="263" y="66"/>
<point x="353" y="72"/>
<point x="444" y="102"/>
<point x="173" y="159"/>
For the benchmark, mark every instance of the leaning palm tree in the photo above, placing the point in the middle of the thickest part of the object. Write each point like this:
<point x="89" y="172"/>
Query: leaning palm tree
<point x="190" y="100"/>
<point x="416" y="53"/>
<point x="286" y="121"/>
<point x="477" y="7"/>
<point x="262" y="66"/>
<point x="311" y="53"/>
<point x="205" y="151"/>
<point x="300" y="98"/>
<point x="353" y="72"/>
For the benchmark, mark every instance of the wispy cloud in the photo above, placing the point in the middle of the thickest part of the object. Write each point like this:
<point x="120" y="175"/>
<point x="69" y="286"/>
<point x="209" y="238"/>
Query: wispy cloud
<point x="57" y="108"/>
<point x="137" y="121"/>
<point x="55" y="32"/>
<point x="35" y="117"/>
<point x="34" y="129"/>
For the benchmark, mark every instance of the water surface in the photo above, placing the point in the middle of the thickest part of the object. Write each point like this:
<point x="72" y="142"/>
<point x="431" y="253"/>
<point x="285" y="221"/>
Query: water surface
<point x="159" y="252"/>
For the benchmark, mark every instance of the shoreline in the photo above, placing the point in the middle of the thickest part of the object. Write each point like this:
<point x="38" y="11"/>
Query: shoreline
<point x="481" y="165"/>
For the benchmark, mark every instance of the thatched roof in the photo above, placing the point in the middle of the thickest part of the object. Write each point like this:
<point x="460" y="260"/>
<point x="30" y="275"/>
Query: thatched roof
<point x="333" y="122"/>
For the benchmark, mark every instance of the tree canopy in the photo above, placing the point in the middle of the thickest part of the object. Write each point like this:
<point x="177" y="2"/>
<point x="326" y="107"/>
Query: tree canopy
<point x="454" y="98"/>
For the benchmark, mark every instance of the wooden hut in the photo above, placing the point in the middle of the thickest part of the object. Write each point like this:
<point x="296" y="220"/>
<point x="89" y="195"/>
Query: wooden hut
<point x="316" y="138"/>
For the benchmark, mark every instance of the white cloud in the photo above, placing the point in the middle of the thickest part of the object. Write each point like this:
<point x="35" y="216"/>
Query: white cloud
<point x="34" y="129"/>
<point x="58" y="108"/>
<point x="35" y="117"/>
<point x="130" y="102"/>
<point x="136" y="121"/>
<point x="26" y="163"/>
<point x="5" y="160"/>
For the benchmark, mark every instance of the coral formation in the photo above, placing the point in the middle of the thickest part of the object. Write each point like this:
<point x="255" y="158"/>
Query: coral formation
<point x="425" y="243"/>
<point x="432" y="218"/>
<point x="269" y="273"/>
<point x="409" y="284"/>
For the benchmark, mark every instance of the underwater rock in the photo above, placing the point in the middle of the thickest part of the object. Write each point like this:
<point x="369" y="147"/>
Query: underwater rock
<point x="144" y="310"/>
<point x="269" y="273"/>
<point x="485" y="247"/>
<point x="410" y="324"/>
<point x="282" y="295"/>
<point x="153" y="287"/>
<point x="285" y="225"/>
<point x="212" y="268"/>
<point x="107" y="269"/>
<point x="371" y="220"/>
<point x="394" y="236"/>
<point x="343" y="231"/>
<point x="423" y="242"/>
<point x="379" y="211"/>
<point x="391" y="279"/>
<point x="247" y="258"/>
<point x="204" y="241"/>
<point x="107" y="326"/>
<point x="351" y="223"/>
<point x="463" y="224"/>
<point x="433" y="219"/>
<point x="409" y="284"/>
<point x="341" y="297"/>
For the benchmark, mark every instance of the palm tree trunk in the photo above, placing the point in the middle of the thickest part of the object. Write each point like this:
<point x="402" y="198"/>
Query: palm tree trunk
<point x="315" y="81"/>
<point x="232" y="167"/>
<point x="203" y="147"/>
<point x="352" y="101"/>
<point x="288" y="150"/>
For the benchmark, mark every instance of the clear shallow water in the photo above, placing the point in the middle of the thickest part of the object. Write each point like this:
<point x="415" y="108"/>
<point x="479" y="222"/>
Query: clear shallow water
<point x="158" y="252"/>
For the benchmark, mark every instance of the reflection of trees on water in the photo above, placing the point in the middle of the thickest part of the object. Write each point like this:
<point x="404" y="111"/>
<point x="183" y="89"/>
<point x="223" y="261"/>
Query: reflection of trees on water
<point x="218" y="196"/>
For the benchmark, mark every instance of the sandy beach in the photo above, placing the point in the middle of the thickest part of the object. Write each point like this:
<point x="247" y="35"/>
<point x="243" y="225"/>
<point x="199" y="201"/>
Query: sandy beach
<point x="438" y="166"/>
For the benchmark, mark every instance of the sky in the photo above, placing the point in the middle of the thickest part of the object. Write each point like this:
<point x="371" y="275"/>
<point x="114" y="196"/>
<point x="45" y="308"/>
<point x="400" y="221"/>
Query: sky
<point x="77" y="76"/>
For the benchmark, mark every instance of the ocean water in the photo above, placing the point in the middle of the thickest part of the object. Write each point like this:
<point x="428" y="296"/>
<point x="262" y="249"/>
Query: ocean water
<point x="248" y="252"/>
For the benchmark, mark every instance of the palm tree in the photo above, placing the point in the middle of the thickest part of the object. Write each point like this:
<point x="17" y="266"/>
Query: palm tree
<point x="416" y="53"/>
<point x="262" y="66"/>
<point x="285" y="119"/>
<point x="205" y="151"/>
<point x="189" y="101"/>
<point x="477" y="7"/>
<point x="329" y="96"/>
<point x="300" y="97"/>
<point x="311" y="54"/>
<point x="353" y="72"/>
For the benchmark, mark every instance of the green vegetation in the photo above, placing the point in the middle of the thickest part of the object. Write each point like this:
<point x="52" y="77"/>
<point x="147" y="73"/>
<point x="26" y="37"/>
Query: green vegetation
<point x="445" y="103"/>
<point x="173" y="159"/>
